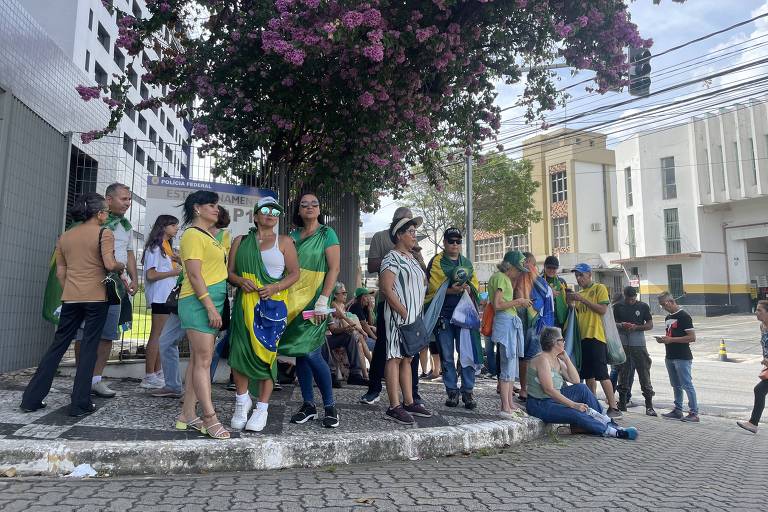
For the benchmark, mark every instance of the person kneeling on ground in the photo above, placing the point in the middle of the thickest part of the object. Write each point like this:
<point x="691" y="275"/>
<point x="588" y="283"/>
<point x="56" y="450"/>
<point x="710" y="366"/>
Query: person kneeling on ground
<point x="552" y="402"/>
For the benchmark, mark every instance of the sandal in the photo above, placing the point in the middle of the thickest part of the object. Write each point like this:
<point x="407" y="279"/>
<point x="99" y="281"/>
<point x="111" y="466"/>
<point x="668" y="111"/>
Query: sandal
<point x="212" y="430"/>
<point x="195" y="424"/>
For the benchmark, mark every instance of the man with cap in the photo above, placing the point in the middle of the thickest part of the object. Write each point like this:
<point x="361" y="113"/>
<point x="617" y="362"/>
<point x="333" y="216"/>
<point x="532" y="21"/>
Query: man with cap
<point x="633" y="318"/>
<point x="558" y="285"/>
<point x="451" y="267"/>
<point x="381" y="245"/>
<point x="591" y="304"/>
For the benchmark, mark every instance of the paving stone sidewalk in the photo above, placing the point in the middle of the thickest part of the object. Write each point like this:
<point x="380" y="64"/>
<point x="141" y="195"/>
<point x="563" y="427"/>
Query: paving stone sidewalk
<point x="134" y="415"/>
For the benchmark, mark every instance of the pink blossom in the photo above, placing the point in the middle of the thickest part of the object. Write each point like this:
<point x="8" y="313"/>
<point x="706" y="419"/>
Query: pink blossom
<point x="563" y="30"/>
<point x="165" y="7"/>
<point x="89" y="137"/>
<point x="248" y="107"/>
<point x="583" y="21"/>
<point x="372" y="18"/>
<point x="352" y="19"/>
<point x="199" y="130"/>
<point x="366" y="99"/>
<point x="522" y="4"/>
<point x="88" y="93"/>
<point x="113" y="104"/>
<point x="374" y="52"/>
<point x="312" y="4"/>
<point x="283" y="5"/>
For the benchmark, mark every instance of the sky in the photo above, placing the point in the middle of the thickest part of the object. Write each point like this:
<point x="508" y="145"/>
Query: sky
<point x="668" y="24"/>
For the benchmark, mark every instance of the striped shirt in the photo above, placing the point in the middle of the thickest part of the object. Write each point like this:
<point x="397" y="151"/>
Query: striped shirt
<point x="410" y="288"/>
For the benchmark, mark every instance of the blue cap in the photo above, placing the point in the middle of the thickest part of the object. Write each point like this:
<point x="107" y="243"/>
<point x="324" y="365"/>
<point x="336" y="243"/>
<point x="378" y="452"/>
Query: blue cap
<point x="582" y="268"/>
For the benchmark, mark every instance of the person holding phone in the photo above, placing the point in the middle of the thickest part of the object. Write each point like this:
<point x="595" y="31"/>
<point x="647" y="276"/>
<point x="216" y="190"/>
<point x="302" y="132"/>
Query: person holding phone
<point x="553" y="401"/>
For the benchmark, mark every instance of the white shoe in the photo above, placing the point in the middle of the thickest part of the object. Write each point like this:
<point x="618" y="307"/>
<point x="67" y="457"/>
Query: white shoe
<point x="152" y="382"/>
<point x="241" y="414"/>
<point x="258" y="420"/>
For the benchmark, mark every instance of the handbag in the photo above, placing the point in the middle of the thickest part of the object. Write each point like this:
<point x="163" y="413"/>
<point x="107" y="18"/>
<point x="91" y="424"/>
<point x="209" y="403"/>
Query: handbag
<point x="414" y="337"/>
<point x="113" y="283"/>
<point x="764" y="374"/>
<point x="616" y="353"/>
<point x="486" y="325"/>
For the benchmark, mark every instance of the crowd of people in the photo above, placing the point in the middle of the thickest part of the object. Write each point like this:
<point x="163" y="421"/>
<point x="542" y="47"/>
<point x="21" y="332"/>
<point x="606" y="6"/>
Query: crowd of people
<point x="288" y="302"/>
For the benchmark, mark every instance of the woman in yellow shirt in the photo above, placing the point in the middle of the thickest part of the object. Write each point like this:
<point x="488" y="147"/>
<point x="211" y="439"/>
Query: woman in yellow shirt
<point x="201" y="301"/>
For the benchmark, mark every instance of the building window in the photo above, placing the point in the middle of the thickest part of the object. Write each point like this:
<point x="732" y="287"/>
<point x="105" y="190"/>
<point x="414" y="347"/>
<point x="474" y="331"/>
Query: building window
<point x="100" y="75"/>
<point x="139" y="155"/>
<point x="675" y="280"/>
<point x="127" y="144"/>
<point x="634" y="271"/>
<point x="87" y="60"/>
<point x="722" y="167"/>
<point x="133" y="77"/>
<point x="169" y="127"/>
<point x="103" y="37"/>
<point x="738" y="162"/>
<point x="752" y="159"/>
<point x="144" y="92"/>
<point x="150" y="165"/>
<point x="119" y="58"/>
<point x="152" y="135"/>
<point x="628" y="184"/>
<point x="168" y="153"/>
<point x="559" y="186"/>
<point x="518" y="242"/>
<point x="160" y="172"/>
<point x="161" y="145"/>
<point x="669" y="188"/>
<point x="490" y="249"/>
<point x="136" y="10"/>
<point x="672" y="231"/>
<point x="162" y="116"/>
<point x="142" y="123"/>
<point x="130" y="113"/>
<point x="560" y="238"/>
<point x="90" y="19"/>
<point x="631" y="236"/>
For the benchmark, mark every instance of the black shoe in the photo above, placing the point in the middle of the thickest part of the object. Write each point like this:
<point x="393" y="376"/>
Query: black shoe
<point x="336" y="383"/>
<point x="453" y="399"/>
<point x="277" y="387"/>
<point x="231" y="387"/>
<point x="307" y="412"/>
<point x="79" y="413"/>
<point x="469" y="401"/>
<point x="357" y="380"/>
<point x="25" y="408"/>
<point x="331" y="419"/>
<point x="622" y="406"/>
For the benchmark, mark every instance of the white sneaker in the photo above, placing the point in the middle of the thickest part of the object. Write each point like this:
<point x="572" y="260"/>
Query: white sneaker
<point x="102" y="390"/>
<point x="240" y="417"/>
<point x="258" y="420"/>
<point x="152" y="382"/>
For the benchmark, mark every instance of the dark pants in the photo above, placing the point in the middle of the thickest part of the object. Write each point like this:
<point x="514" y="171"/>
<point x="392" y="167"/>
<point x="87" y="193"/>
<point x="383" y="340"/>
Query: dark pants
<point x="72" y="315"/>
<point x="760" y="391"/>
<point x="638" y="361"/>
<point x="379" y="359"/>
<point x="349" y="343"/>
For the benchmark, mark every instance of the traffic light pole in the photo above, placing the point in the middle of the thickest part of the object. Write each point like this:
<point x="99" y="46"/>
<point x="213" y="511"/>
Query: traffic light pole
<point x="468" y="236"/>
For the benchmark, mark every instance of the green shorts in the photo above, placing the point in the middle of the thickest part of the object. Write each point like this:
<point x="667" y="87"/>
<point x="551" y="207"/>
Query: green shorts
<point x="192" y="312"/>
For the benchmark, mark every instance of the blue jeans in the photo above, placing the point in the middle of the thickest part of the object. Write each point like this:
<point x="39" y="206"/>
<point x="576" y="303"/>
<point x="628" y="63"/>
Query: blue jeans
<point x="679" y="371"/>
<point x="490" y="356"/>
<point x="447" y="340"/>
<point x="313" y="365"/>
<point x="550" y="411"/>
<point x="169" y="352"/>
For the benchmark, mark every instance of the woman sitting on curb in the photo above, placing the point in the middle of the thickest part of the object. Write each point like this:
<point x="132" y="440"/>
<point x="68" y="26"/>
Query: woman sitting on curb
<point x="551" y="402"/>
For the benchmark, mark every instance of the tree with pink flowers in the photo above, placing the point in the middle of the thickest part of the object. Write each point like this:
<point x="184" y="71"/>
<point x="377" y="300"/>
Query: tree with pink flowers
<point x="350" y="94"/>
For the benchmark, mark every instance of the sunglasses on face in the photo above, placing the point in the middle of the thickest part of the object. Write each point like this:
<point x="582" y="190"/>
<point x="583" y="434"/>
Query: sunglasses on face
<point x="551" y="268"/>
<point x="453" y="242"/>
<point x="272" y="212"/>
<point x="309" y="204"/>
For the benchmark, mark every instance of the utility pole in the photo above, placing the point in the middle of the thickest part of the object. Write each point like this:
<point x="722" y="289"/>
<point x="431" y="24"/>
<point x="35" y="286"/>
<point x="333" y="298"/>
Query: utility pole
<point x="468" y="236"/>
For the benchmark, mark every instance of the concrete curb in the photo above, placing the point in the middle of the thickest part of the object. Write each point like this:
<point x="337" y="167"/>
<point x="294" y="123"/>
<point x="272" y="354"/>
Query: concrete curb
<point x="37" y="457"/>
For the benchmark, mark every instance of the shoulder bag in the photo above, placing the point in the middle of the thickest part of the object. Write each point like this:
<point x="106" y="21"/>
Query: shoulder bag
<point x="113" y="283"/>
<point x="414" y="337"/>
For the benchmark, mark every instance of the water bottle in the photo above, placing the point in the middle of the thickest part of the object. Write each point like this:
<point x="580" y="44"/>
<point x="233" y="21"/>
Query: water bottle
<point x="602" y="418"/>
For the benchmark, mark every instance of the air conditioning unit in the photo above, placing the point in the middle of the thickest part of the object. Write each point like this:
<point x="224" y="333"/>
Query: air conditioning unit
<point x="596" y="226"/>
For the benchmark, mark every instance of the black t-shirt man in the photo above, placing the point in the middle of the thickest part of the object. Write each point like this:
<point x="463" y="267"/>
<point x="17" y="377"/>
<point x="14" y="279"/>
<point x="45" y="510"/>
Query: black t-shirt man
<point x="638" y="313"/>
<point x="677" y="324"/>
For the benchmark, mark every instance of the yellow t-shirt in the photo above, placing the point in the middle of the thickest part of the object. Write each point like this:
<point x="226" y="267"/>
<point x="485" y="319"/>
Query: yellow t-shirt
<point x="196" y="245"/>
<point x="590" y="323"/>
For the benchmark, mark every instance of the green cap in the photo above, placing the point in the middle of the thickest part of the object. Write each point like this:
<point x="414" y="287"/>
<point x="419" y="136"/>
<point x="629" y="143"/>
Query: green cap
<point x="362" y="291"/>
<point x="517" y="259"/>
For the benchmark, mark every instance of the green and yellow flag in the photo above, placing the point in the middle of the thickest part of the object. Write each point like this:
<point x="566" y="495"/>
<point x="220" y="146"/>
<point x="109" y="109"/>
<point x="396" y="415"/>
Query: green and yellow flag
<point x="253" y="351"/>
<point x="302" y="336"/>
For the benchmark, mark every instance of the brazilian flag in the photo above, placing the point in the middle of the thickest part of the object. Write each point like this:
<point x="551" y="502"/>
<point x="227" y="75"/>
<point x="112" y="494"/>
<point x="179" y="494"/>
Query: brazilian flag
<point x="302" y="336"/>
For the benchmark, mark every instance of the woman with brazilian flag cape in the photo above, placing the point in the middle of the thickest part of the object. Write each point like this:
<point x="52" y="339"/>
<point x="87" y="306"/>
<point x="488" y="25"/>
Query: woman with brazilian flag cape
<point x="443" y="273"/>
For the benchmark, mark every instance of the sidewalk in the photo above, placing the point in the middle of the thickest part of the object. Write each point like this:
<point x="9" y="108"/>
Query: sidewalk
<point x="133" y="433"/>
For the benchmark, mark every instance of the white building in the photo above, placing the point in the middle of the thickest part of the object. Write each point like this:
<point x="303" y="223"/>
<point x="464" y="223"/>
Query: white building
<point x="157" y="140"/>
<point x="693" y="200"/>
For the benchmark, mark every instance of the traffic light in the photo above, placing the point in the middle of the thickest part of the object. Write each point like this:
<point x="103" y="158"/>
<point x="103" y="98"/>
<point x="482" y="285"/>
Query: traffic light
<point x="639" y="71"/>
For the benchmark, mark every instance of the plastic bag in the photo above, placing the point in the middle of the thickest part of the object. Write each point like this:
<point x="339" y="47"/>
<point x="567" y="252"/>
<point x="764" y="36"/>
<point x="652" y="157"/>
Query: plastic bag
<point x="616" y="353"/>
<point x="465" y="315"/>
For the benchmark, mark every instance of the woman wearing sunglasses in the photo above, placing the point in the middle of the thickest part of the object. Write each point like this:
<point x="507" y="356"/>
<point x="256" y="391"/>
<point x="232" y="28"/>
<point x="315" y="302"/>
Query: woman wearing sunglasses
<point x="262" y="265"/>
<point x="319" y="259"/>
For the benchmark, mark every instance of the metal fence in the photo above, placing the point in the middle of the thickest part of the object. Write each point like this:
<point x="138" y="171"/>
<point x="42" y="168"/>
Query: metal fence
<point x="92" y="169"/>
